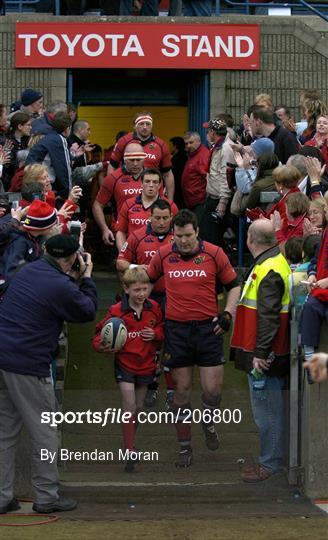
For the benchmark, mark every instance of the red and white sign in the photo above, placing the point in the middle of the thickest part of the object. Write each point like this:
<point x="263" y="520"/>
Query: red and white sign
<point x="116" y="45"/>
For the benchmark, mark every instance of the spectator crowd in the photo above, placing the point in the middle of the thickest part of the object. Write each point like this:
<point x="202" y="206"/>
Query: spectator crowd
<point x="173" y="212"/>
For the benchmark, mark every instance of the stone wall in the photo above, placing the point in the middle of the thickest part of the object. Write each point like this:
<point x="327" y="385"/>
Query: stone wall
<point x="293" y="57"/>
<point x="51" y="82"/>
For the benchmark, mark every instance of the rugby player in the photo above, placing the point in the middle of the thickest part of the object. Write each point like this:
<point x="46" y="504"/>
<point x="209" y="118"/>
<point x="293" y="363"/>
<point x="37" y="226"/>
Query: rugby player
<point x="193" y="325"/>
<point x="136" y="211"/>
<point x="156" y="150"/>
<point x="118" y="186"/>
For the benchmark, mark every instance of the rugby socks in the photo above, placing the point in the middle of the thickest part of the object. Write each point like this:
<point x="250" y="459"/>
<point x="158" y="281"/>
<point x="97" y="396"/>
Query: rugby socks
<point x="211" y="404"/>
<point x="168" y="380"/>
<point x="182" y="420"/>
<point x="129" y="432"/>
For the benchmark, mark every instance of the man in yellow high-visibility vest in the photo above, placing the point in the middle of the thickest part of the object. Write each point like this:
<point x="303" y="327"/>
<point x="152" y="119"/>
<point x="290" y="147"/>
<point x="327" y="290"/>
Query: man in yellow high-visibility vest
<point x="260" y="342"/>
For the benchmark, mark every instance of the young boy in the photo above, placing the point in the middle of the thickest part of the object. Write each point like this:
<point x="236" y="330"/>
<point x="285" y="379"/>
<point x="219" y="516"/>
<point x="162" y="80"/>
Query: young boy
<point x="135" y="363"/>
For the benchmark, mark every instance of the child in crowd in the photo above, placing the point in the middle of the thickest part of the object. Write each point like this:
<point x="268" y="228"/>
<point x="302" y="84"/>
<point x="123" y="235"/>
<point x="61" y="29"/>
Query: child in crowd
<point x="309" y="248"/>
<point x="135" y="363"/>
<point x="294" y="252"/>
<point x="302" y="250"/>
<point x="297" y="207"/>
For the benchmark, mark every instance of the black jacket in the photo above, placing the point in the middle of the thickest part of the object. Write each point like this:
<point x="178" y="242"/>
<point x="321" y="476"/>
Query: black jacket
<point x="285" y="143"/>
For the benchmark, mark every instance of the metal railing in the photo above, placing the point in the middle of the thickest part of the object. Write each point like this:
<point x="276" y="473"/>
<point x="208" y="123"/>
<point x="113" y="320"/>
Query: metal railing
<point x="21" y="5"/>
<point x="314" y="8"/>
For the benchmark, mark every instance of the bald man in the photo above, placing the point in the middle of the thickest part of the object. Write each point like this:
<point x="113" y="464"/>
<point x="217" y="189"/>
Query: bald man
<point x="120" y="185"/>
<point x="260" y="345"/>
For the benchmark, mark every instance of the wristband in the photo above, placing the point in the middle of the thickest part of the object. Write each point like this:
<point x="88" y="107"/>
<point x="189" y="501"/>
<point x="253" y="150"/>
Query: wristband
<point x="133" y="266"/>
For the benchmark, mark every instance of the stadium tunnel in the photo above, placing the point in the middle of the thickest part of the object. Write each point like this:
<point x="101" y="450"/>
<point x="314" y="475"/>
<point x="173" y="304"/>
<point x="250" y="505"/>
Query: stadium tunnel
<point x="178" y="99"/>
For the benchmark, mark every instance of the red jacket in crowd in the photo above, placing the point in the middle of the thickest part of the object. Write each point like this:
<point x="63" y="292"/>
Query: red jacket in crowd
<point x="193" y="181"/>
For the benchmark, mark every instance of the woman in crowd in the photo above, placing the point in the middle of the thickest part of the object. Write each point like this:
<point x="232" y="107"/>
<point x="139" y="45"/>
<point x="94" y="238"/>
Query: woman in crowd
<point x="39" y="173"/>
<point x="18" y="135"/>
<point x="313" y="109"/>
<point x="316" y="217"/>
<point x="320" y="138"/>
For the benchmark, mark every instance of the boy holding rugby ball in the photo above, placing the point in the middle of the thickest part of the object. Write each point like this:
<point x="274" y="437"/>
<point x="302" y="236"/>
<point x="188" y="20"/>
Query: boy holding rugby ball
<point x="135" y="362"/>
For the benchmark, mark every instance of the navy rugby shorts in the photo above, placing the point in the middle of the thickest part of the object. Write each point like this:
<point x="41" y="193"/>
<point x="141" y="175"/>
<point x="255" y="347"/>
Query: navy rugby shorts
<point x="192" y="343"/>
<point x="122" y="375"/>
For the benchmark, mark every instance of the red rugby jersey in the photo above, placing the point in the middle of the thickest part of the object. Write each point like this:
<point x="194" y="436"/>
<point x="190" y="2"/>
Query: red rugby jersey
<point x="141" y="246"/>
<point x="137" y="356"/>
<point x="158" y="154"/>
<point x="120" y="186"/>
<point x="190" y="282"/>
<point x="134" y="215"/>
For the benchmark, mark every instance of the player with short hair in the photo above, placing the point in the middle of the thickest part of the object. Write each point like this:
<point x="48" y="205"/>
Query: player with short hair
<point x="156" y="150"/>
<point x="135" y="212"/>
<point x="135" y="363"/>
<point x="193" y="325"/>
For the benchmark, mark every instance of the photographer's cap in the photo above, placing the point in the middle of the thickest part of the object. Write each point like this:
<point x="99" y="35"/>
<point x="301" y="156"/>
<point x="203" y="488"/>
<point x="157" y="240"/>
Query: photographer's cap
<point x="62" y="245"/>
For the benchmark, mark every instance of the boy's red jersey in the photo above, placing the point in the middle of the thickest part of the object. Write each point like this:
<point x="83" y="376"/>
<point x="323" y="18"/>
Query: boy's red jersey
<point x="137" y="356"/>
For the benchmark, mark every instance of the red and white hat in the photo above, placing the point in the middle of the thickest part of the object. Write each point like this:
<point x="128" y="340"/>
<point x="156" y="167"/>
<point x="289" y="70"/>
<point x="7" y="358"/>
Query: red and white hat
<point x="40" y="216"/>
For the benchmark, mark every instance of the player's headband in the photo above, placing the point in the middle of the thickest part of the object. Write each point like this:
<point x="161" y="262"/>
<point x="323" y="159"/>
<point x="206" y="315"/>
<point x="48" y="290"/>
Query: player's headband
<point x="135" y="155"/>
<point x="142" y="119"/>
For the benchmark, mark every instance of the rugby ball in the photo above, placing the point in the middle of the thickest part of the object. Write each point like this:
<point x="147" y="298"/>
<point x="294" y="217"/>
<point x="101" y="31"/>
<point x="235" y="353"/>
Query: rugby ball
<point x="114" y="333"/>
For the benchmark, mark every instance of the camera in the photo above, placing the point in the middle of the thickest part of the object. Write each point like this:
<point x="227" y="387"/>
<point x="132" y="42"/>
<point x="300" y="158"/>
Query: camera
<point x="75" y="228"/>
<point x="76" y="264"/>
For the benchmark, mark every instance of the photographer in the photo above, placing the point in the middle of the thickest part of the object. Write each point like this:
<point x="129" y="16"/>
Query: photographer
<point x="40" y="297"/>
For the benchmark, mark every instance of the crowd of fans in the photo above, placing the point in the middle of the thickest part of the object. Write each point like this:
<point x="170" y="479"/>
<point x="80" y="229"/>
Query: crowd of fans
<point x="145" y="8"/>
<point x="270" y="167"/>
<point x="270" y="170"/>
